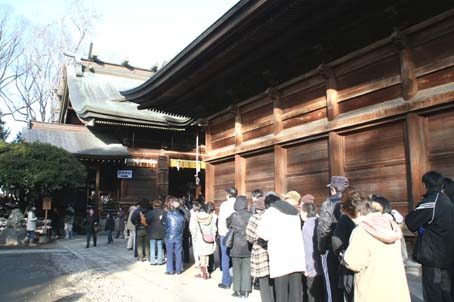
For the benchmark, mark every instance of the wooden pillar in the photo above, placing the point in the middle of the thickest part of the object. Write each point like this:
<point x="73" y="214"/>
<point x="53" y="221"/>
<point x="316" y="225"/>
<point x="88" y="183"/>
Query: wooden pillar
<point x="409" y="83"/>
<point x="238" y="130"/>
<point x="208" y="138"/>
<point x="332" y="104"/>
<point x="240" y="174"/>
<point x="274" y="95"/>
<point x="98" y="180"/>
<point x="280" y="169"/>
<point x="209" y="182"/>
<point x="417" y="156"/>
<point x="336" y="154"/>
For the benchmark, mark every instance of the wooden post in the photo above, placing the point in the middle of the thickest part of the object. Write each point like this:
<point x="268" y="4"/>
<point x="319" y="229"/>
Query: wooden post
<point x="274" y="94"/>
<point x="208" y="138"/>
<point x="336" y="154"/>
<point x="209" y="182"/>
<point x="280" y="169"/>
<point x="332" y="105"/>
<point x="238" y="130"/>
<point x="240" y="174"/>
<point x="417" y="157"/>
<point x="409" y="83"/>
<point x="98" y="204"/>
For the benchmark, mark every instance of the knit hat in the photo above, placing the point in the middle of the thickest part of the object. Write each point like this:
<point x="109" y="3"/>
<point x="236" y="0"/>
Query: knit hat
<point x="292" y="197"/>
<point x="308" y="198"/>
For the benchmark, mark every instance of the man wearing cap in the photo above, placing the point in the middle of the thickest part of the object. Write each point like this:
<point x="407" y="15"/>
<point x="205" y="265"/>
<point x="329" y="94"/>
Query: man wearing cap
<point x="225" y="211"/>
<point x="329" y="216"/>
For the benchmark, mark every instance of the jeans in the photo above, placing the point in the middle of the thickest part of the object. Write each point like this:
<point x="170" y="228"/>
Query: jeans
<point x="109" y="236"/>
<point x="143" y="245"/>
<point x="225" y="263"/>
<point x="68" y="230"/>
<point x="174" y="248"/>
<point x="89" y="234"/>
<point x="153" y="244"/>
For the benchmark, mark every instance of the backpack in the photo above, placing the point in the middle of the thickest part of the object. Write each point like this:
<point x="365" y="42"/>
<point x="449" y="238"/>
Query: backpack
<point x="143" y="219"/>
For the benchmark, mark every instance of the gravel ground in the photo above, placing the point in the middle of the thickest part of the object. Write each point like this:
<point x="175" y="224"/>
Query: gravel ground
<point x="86" y="284"/>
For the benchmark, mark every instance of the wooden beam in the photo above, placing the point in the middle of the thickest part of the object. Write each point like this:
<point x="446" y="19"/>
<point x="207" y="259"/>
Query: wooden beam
<point x="275" y="95"/>
<point x="336" y="154"/>
<point x="208" y="138"/>
<point x="238" y="130"/>
<point x="240" y="174"/>
<point x="209" y="182"/>
<point x="332" y="105"/>
<point x="280" y="169"/>
<point x="407" y="73"/>
<point x="417" y="157"/>
<point x="409" y="83"/>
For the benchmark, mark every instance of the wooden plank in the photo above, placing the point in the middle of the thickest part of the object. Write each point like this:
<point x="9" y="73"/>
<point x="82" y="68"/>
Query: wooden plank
<point x="280" y="169"/>
<point x="308" y="169"/>
<point x="440" y="143"/>
<point x="240" y="174"/>
<point x="260" y="172"/>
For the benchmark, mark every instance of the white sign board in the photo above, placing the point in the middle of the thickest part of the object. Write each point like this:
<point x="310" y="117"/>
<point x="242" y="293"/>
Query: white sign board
<point x="124" y="174"/>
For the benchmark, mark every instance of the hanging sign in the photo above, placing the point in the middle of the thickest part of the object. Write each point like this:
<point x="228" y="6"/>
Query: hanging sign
<point x="47" y="202"/>
<point x="124" y="174"/>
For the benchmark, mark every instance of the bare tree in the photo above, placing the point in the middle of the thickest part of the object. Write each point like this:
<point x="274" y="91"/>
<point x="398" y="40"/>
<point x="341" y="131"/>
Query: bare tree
<point x="36" y="68"/>
<point x="10" y="47"/>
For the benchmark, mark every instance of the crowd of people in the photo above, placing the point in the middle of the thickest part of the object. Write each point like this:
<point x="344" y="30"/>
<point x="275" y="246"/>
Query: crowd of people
<point x="353" y="249"/>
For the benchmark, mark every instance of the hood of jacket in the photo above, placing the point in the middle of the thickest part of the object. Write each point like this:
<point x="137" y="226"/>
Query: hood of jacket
<point x="284" y="207"/>
<point x="240" y="205"/>
<point x="381" y="227"/>
<point x="203" y="218"/>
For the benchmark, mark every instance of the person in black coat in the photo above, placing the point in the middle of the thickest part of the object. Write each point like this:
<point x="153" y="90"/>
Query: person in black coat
<point x="139" y="219"/>
<point x="240" y="252"/>
<point x="91" y="226"/>
<point x="156" y="232"/>
<point x="109" y="228"/>
<point x="433" y="220"/>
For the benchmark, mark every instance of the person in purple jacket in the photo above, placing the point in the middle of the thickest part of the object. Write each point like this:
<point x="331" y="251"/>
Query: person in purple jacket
<point x="314" y="270"/>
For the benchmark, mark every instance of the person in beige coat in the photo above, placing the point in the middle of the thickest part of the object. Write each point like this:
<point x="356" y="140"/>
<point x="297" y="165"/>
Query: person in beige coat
<point x="131" y="244"/>
<point x="374" y="254"/>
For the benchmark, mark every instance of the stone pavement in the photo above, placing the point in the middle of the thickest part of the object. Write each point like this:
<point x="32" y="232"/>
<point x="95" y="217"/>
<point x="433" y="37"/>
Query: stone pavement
<point x="139" y="281"/>
<point x="143" y="282"/>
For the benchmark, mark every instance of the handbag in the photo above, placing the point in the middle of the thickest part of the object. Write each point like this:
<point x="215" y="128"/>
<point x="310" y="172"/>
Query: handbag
<point x="208" y="238"/>
<point x="96" y="228"/>
<point x="228" y="239"/>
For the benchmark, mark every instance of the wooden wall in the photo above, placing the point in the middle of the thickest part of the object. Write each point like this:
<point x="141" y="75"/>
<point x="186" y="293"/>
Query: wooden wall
<point x="382" y="116"/>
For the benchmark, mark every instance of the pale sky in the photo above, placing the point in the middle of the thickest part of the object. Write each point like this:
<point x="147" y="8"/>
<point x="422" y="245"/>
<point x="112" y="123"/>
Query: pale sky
<point x="145" y="31"/>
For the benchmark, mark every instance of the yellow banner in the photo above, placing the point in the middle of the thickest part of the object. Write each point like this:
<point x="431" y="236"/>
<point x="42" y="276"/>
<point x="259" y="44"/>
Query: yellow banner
<point x="185" y="164"/>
